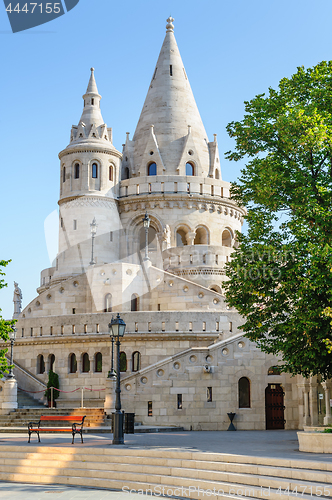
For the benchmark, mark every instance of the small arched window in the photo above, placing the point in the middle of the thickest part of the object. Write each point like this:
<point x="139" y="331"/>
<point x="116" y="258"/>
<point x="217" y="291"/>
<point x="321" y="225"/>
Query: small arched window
<point x="190" y="169"/>
<point x="40" y="364"/>
<point x="226" y="238"/>
<point x="216" y="174"/>
<point x="108" y="303"/>
<point x="51" y="362"/>
<point x="136" y="361"/>
<point x="201" y="236"/>
<point x="94" y="171"/>
<point x="126" y="173"/>
<point x="77" y="171"/>
<point x="123" y="362"/>
<point x="244" y="393"/>
<point x="181" y="239"/>
<point x="72" y="363"/>
<point x="110" y="173"/>
<point x="152" y="169"/>
<point x="63" y="174"/>
<point x="85" y="363"/>
<point x="134" y="303"/>
<point x="98" y="362"/>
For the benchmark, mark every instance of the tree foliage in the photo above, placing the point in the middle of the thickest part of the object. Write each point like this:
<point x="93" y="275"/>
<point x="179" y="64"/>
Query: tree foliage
<point x="53" y="381"/>
<point x="5" y="326"/>
<point x="281" y="274"/>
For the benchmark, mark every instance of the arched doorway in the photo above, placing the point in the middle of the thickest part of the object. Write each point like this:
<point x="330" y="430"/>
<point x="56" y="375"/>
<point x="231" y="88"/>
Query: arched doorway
<point x="274" y="407"/>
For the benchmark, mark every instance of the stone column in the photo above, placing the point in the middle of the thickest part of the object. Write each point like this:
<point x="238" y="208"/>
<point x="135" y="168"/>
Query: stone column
<point x="190" y="236"/>
<point x="313" y="401"/>
<point x="328" y="417"/>
<point x="109" y="404"/>
<point x="8" y="401"/>
<point x="306" y="418"/>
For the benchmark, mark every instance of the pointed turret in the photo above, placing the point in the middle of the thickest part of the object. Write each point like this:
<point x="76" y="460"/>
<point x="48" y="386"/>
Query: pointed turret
<point x="170" y="106"/>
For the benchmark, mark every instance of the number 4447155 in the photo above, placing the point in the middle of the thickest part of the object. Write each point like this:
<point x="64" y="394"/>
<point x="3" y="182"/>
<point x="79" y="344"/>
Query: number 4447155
<point x="31" y="7"/>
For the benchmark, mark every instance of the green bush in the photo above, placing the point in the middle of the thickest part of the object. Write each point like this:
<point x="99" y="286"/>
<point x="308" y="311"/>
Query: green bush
<point x="53" y="381"/>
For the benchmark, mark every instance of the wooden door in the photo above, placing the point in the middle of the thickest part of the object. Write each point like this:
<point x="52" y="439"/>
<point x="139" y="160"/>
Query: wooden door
<point x="274" y="407"/>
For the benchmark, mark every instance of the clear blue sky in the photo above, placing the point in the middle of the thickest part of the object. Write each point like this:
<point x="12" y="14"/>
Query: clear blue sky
<point x="232" y="50"/>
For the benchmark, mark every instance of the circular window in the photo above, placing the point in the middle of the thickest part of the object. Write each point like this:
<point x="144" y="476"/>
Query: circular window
<point x="190" y="152"/>
<point x="127" y="387"/>
<point x="201" y="295"/>
<point x="129" y="272"/>
<point x="176" y="365"/>
<point x="144" y="380"/>
<point x="49" y="296"/>
<point x="160" y="372"/>
<point x="170" y="283"/>
<point x="225" y="351"/>
<point x="185" y="289"/>
<point x="241" y="345"/>
<point x="61" y="290"/>
<point x="102" y="273"/>
<point x="151" y="153"/>
<point x="114" y="271"/>
<point x="75" y="283"/>
<point x="216" y="301"/>
<point x="209" y="358"/>
<point x="193" y="359"/>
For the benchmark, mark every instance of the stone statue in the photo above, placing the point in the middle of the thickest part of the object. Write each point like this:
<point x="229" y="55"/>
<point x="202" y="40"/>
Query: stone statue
<point x="17" y="300"/>
<point x="166" y="237"/>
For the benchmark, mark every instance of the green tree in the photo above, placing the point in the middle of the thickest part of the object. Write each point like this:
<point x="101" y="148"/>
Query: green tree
<point x="5" y="326"/>
<point x="53" y="381"/>
<point x="281" y="274"/>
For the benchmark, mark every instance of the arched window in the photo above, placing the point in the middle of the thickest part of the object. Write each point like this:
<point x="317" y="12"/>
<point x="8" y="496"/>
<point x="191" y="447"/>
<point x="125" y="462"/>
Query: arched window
<point x="123" y="362"/>
<point x="136" y="361"/>
<point x="40" y="364"/>
<point x="110" y="173"/>
<point x="77" y="171"/>
<point x="98" y="362"/>
<point x="181" y="239"/>
<point x="190" y="169"/>
<point x="226" y="238"/>
<point x="274" y="370"/>
<point x="152" y="239"/>
<point x="215" y="288"/>
<point x="108" y="303"/>
<point x="244" y="393"/>
<point x="134" y="303"/>
<point x="51" y="362"/>
<point x="63" y="174"/>
<point x="126" y="173"/>
<point x="85" y="363"/>
<point x="201" y="237"/>
<point x="94" y="170"/>
<point x="216" y="173"/>
<point x="152" y="169"/>
<point x="72" y="363"/>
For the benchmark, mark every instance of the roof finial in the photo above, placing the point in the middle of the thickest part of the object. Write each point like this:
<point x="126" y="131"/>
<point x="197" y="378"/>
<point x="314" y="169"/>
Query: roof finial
<point x="170" y="25"/>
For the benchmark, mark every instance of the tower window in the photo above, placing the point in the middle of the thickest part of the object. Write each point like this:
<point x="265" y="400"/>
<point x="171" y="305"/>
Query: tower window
<point x="190" y="169"/>
<point x="179" y="401"/>
<point x="61" y="222"/>
<point x="94" y="171"/>
<point x="209" y="394"/>
<point x="63" y="174"/>
<point x="149" y="408"/>
<point x="152" y="169"/>
<point x="77" y="171"/>
<point x="171" y="70"/>
<point x="110" y="173"/>
<point x="92" y="101"/>
<point x="75" y="224"/>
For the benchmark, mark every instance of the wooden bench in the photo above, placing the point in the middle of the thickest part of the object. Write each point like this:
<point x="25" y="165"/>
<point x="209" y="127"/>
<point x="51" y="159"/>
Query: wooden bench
<point x="76" y="428"/>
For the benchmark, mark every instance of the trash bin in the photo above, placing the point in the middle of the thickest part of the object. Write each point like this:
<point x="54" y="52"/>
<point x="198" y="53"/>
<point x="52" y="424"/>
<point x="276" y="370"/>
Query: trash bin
<point x="129" y="423"/>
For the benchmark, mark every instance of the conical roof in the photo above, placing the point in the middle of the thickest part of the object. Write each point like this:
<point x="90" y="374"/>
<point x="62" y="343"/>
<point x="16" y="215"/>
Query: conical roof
<point x="91" y="112"/>
<point x="170" y="106"/>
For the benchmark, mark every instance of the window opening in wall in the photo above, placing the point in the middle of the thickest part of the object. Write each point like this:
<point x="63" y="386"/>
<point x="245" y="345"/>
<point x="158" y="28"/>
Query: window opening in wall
<point x="201" y="189"/>
<point x="152" y="169"/>
<point x="244" y="393"/>
<point x="149" y="327"/>
<point x="110" y="173"/>
<point x="40" y="364"/>
<point x="190" y="169"/>
<point x="137" y="188"/>
<point x="98" y="362"/>
<point x="85" y="363"/>
<point x="176" y="326"/>
<point x="209" y="394"/>
<point x="171" y="70"/>
<point x="92" y="101"/>
<point x="97" y="328"/>
<point x="158" y="307"/>
<point x="51" y="360"/>
<point x="212" y="190"/>
<point x="31" y="332"/>
<point x="74" y="310"/>
<point x="149" y="188"/>
<point x="136" y="327"/>
<point x="190" y="326"/>
<point x="179" y="401"/>
<point x="216" y="174"/>
<point x="123" y="361"/>
<point x="191" y="259"/>
<point x="22" y="332"/>
<point x="126" y="173"/>
<point x="230" y="326"/>
<point x="111" y="235"/>
<point x="149" y="408"/>
<point x="73" y="329"/>
<point x="162" y="187"/>
<point x="226" y="238"/>
<point x="61" y="222"/>
<point x="85" y="328"/>
<point x="108" y="303"/>
<point x="94" y="171"/>
<point x="134" y="303"/>
<point x="179" y="260"/>
<point x="62" y="329"/>
<point x="204" y="259"/>
<point x="204" y="326"/>
<point x="77" y="171"/>
<point x="181" y="239"/>
<point x="126" y="191"/>
<point x="136" y="361"/>
<point x="72" y="363"/>
<point x="51" y="330"/>
<point x="75" y="224"/>
<point x="188" y="188"/>
<point x="163" y="326"/>
<point x="217" y="326"/>
<point x="64" y="174"/>
<point x="175" y="187"/>
<point x="217" y="258"/>
<point x="41" y="331"/>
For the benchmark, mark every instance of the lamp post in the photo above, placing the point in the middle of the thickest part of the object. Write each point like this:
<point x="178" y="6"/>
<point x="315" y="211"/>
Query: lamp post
<point x="118" y="327"/>
<point x="111" y="373"/>
<point x="146" y="225"/>
<point x="93" y="227"/>
<point x="12" y="336"/>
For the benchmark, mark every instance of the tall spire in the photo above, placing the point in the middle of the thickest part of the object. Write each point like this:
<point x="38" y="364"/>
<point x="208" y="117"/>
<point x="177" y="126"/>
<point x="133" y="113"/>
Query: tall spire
<point x="171" y="107"/>
<point x="91" y="112"/>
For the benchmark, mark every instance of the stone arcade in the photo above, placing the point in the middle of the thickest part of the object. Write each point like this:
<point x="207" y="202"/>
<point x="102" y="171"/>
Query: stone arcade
<point x="183" y="360"/>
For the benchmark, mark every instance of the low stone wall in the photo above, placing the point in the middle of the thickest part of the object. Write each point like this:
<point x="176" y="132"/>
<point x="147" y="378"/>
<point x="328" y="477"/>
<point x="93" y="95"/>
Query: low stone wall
<point x="315" y="442"/>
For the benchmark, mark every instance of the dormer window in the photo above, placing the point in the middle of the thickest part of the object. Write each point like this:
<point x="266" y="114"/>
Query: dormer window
<point x="152" y="169"/>
<point x="190" y="169"/>
<point x="94" y="171"/>
<point x="77" y="171"/>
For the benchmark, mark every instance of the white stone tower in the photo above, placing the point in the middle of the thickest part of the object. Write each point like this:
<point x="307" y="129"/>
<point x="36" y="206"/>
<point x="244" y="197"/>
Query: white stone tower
<point x="89" y="175"/>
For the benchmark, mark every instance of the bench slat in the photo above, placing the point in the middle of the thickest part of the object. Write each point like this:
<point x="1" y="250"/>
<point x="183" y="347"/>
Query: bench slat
<point x="47" y="429"/>
<point x="67" y="418"/>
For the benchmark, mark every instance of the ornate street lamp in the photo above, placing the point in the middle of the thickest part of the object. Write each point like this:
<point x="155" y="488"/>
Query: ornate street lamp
<point x="146" y="225"/>
<point x="118" y="327"/>
<point x="93" y="227"/>
<point x="111" y="373"/>
<point x="12" y="337"/>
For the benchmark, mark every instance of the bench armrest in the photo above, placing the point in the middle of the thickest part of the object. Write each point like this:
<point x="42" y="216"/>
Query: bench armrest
<point x="32" y="424"/>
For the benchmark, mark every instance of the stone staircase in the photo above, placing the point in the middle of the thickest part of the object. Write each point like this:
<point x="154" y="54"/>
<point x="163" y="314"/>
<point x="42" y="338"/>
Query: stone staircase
<point x="168" y="473"/>
<point x="24" y="400"/>
<point x="95" y="417"/>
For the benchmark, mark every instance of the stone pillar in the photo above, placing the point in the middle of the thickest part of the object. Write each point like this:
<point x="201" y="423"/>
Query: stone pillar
<point x="328" y="417"/>
<point x="313" y="401"/>
<point x="306" y="417"/>
<point x="8" y="401"/>
<point x="190" y="236"/>
<point x="109" y="404"/>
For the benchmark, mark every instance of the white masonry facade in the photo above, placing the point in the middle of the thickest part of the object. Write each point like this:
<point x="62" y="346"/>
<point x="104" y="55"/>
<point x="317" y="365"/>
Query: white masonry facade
<point x="183" y="360"/>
